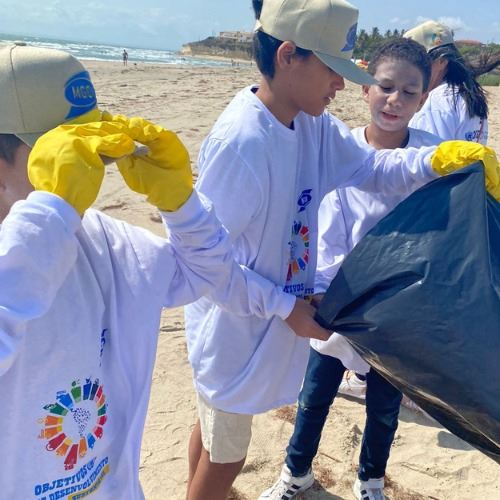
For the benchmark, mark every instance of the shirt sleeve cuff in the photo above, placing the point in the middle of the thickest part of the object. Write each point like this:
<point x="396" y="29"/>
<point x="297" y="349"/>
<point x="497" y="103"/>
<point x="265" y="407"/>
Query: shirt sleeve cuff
<point x="427" y="162"/>
<point x="66" y="211"/>
<point x="188" y="212"/>
<point x="286" y="305"/>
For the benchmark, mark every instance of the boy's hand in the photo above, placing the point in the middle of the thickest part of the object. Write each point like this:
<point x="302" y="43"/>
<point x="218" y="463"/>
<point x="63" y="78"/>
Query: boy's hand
<point x="164" y="173"/>
<point x="66" y="160"/>
<point x="453" y="155"/>
<point x="315" y="300"/>
<point x="301" y="321"/>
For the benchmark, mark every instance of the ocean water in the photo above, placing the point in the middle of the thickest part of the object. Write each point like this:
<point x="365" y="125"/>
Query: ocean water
<point x="101" y="52"/>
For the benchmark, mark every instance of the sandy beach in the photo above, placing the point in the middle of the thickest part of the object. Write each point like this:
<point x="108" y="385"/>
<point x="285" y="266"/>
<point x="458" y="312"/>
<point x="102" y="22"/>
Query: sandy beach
<point x="427" y="462"/>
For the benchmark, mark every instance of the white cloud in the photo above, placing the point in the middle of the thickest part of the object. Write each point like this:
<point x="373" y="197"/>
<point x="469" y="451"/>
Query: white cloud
<point x="455" y="23"/>
<point x="97" y="14"/>
<point x="398" y="21"/>
<point x="421" y="19"/>
<point x="104" y="22"/>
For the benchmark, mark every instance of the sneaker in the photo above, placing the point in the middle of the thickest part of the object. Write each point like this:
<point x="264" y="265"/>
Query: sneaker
<point x="373" y="489"/>
<point x="287" y="486"/>
<point x="352" y="386"/>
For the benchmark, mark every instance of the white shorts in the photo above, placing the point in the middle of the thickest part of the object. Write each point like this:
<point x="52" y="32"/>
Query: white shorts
<point x="226" y="436"/>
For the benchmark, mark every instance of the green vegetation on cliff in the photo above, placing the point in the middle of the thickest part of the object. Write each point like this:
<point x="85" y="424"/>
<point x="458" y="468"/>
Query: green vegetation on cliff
<point x="484" y="58"/>
<point x="217" y="46"/>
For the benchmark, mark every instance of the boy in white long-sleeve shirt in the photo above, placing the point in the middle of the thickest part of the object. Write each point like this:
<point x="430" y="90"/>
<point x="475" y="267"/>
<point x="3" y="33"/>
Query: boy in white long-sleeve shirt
<point x="402" y="70"/>
<point x="81" y="293"/>
<point x="267" y="163"/>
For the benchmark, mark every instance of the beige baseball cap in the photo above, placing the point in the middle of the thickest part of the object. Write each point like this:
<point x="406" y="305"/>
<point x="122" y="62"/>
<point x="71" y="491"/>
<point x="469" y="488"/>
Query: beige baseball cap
<point x="326" y="27"/>
<point x="41" y="89"/>
<point x="431" y="35"/>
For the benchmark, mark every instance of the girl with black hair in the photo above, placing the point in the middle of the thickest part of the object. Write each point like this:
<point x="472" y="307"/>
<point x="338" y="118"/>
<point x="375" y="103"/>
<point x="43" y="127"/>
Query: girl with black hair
<point x="456" y="107"/>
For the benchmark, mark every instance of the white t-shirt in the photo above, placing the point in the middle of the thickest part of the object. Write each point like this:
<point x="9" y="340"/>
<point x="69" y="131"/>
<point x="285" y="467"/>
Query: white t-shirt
<point x="345" y="216"/>
<point x="80" y="304"/>
<point x="445" y="114"/>
<point x="266" y="182"/>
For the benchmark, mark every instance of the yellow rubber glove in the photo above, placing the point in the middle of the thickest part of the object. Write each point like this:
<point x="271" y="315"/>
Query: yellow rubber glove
<point x="453" y="155"/>
<point x="164" y="173"/>
<point x="65" y="161"/>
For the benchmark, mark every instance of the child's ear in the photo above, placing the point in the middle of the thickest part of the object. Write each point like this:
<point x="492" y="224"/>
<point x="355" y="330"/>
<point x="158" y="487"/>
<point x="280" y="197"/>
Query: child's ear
<point x="365" y="90"/>
<point x="285" y="53"/>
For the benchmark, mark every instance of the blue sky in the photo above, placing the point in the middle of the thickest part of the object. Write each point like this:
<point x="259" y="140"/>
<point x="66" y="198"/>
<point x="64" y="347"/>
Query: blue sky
<point x="167" y="24"/>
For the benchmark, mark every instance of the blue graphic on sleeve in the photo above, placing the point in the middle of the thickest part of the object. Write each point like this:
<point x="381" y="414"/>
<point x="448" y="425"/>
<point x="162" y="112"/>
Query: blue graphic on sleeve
<point x="350" y="39"/>
<point x="80" y="93"/>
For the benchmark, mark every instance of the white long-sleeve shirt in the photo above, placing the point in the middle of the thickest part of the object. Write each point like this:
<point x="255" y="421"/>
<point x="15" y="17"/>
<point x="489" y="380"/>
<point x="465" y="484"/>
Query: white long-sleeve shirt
<point x="345" y="216"/>
<point x="80" y="304"/>
<point x="266" y="182"/>
<point x="445" y="114"/>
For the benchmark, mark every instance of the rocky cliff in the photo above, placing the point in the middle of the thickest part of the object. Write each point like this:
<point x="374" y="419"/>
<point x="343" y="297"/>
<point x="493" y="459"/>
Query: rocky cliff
<point x="221" y="47"/>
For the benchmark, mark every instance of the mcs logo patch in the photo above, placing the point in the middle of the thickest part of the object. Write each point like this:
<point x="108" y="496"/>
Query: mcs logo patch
<point x="80" y="93"/>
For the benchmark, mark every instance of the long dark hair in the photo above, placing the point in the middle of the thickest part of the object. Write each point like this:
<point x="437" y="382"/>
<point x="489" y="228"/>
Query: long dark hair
<point x="461" y="77"/>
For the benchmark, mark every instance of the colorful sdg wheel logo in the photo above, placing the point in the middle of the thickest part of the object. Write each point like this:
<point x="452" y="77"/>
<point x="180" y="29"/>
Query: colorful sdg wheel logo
<point x="299" y="250"/>
<point x="75" y="421"/>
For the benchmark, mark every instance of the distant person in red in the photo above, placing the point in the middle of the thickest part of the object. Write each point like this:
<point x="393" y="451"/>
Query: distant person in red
<point x="125" y="57"/>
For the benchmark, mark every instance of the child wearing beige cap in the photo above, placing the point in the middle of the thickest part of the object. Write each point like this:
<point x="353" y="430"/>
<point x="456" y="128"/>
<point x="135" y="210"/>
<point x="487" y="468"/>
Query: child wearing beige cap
<point x="456" y="107"/>
<point x="402" y="69"/>
<point x="267" y="163"/>
<point x="82" y="293"/>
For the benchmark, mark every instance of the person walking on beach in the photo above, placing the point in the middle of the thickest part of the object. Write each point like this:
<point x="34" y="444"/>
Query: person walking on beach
<point x="125" y="57"/>
<point x="402" y="70"/>
<point x="267" y="163"/>
<point x="82" y="293"/>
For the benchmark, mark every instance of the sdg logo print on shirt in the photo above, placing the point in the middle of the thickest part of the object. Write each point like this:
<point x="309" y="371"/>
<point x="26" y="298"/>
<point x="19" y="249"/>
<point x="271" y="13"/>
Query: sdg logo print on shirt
<point x="71" y="428"/>
<point x="75" y="421"/>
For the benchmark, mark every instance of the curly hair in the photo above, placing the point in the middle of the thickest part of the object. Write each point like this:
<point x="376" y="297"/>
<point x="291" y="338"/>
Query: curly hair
<point x="403" y="49"/>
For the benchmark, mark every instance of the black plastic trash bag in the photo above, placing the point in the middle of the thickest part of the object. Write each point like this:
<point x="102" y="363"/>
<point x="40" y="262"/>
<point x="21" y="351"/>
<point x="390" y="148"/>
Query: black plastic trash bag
<point x="419" y="300"/>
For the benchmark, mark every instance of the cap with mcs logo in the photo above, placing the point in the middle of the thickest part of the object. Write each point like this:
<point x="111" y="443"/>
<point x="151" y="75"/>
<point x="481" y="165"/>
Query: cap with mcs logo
<point x="41" y="89"/>
<point x="326" y="27"/>
<point x="431" y="35"/>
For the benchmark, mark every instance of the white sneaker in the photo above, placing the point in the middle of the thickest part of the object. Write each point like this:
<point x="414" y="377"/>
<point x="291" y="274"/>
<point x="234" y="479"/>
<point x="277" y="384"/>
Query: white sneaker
<point x="352" y="386"/>
<point x="287" y="486"/>
<point x="373" y="489"/>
